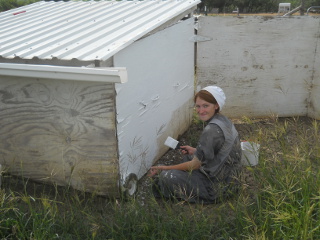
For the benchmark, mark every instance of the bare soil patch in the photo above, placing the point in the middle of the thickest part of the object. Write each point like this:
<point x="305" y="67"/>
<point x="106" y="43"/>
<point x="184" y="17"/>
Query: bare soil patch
<point x="249" y="130"/>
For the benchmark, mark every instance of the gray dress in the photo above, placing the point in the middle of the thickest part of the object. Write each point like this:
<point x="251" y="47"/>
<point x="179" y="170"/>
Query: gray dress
<point x="219" y="151"/>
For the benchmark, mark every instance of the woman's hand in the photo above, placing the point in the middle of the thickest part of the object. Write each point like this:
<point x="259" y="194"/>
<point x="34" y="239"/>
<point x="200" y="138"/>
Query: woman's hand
<point x="187" y="150"/>
<point x="155" y="170"/>
<point x="185" y="166"/>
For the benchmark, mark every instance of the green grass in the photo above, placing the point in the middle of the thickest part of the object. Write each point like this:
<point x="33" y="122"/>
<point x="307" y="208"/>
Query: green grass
<point x="279" y="199"/>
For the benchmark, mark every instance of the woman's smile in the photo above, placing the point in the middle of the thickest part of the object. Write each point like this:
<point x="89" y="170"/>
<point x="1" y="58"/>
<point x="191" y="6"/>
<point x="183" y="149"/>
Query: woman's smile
<point x="205" y="109"/>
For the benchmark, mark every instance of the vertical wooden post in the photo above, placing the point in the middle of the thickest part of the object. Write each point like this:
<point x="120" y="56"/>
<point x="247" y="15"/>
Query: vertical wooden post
<point x="302" y="8"/>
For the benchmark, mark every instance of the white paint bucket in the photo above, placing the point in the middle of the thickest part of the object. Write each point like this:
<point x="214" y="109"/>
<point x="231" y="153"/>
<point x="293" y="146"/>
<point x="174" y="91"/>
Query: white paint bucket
<point x="250" y="153"/>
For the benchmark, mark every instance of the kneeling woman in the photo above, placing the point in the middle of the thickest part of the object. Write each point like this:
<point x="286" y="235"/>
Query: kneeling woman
<point x="208" y="172"/>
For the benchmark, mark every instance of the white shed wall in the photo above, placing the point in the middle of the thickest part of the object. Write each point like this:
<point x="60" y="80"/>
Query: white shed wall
<point x="156" y="102"/>
<point x="265" y="65"/>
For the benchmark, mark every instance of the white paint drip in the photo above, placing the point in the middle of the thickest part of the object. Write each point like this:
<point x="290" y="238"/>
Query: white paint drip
<point x="156" y="98"/>
<point x="186" y="86"/>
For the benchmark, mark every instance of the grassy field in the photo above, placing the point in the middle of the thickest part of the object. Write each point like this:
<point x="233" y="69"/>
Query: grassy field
<point x="279" y="198"/>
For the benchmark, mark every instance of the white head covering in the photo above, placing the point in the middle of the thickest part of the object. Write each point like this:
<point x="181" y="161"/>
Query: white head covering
<point x="218" y="94"/>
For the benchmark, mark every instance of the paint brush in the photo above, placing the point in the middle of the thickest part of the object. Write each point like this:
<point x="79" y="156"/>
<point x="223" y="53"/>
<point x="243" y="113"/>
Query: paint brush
<point x="172" y="143"/>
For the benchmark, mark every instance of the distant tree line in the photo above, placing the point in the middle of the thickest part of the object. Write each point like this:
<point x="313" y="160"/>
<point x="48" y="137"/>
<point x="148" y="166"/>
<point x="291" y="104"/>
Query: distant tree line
<point x="254" y="6"/>
<point x="244" y="6"/>
<point x="10" y="4"/>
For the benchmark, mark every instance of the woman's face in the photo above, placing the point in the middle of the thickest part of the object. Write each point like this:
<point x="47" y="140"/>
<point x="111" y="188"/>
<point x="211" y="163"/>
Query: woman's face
<point x="205" y="110"/>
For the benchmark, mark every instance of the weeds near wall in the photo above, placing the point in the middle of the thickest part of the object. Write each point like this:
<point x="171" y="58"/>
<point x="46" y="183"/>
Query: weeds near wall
<point x="279" y="199"/>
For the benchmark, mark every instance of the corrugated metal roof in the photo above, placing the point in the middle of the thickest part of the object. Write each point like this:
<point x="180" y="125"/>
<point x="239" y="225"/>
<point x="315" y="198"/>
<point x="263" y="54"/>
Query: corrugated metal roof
<point x="82" y="30"/>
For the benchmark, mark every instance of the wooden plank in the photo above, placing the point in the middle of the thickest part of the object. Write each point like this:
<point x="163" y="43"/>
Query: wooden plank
<point x="60" y="131"/>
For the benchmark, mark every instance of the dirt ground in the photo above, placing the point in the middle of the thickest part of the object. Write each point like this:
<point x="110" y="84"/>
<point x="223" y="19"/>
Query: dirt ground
<point x="247" y="128"/>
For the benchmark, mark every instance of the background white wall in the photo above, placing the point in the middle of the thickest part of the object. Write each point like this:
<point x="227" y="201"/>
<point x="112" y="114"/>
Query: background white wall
<point x="314" y="107"/>
<point x="266" y="65"/>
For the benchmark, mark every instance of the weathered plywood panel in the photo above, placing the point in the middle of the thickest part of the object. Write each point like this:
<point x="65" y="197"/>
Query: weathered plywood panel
<point x="156" y="102"/>
<point x="265" y="65"/>
<point x="60" y="131"/>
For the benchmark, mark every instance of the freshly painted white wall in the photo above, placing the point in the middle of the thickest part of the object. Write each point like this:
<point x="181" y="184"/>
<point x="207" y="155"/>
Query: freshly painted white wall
<point x="266" y="65"/>
<point x="156" y="102"/>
